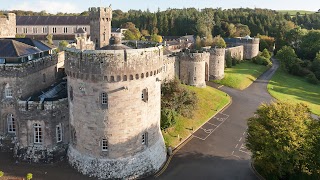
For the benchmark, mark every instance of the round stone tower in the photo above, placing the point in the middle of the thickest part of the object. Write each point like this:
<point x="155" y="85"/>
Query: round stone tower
<point x="192" y="68"/>
<point x="250" y="46"/>
<point x="114" y="104"/>
<point x="100" y="25"/>
<point x="217" y="63"/>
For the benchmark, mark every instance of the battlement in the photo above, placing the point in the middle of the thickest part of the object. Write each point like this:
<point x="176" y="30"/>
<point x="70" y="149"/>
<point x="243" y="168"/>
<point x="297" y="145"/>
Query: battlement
<point x="24" y="69"/>
<point x="101" y="11"/>
<point x="252" y="41"/>
<point x="217" y="51"/>
<point x="7" y="17"/>
<point x="196" y="57"/>
<point x="108" y="64"/>
<point x="24" y="106"/>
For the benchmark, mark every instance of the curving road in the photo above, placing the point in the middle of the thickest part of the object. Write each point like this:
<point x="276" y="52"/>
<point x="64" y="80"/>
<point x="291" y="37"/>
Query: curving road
<point x="216" y="150"/>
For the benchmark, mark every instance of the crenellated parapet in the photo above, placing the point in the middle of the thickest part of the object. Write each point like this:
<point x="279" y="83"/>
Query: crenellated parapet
<point x="8" y="25"/>
<point x="113" y="65"/>
<point x="30" y="67"/>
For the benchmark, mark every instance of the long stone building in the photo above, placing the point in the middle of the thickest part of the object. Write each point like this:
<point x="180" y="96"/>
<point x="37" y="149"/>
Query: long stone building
<point x="105" y="114"/>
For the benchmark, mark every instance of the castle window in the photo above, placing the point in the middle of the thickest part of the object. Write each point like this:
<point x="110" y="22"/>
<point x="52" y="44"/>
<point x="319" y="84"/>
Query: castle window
<point x="44" y="30"/>
<point x="194" y="78"/>
<point x="35" y="30"/>
<point x="8" y="91"/>
<point x="25" y="30"/>
<point x="37" y="133"/>
<point x="104" y="100"/>
<point x="144" y="95"/>
<point x="144" y="138"/>
<point x="59" y="133"/>
<point x="131" y="77"/>
<point x="125" y="78"/>
<point x="137" y="76"/>
<point x="147" y="74"/>
<point x="65" y="30"/>
<point x="104" y="145"/>
<point x="151" y="73"/>
<point x="71" y="93"/>
<point x="54" y="30"/>
<point x="104" y="36"/>
<point x="142" y="75"/>
<point x="118" y="78"/>
<point x="11" y="123"/>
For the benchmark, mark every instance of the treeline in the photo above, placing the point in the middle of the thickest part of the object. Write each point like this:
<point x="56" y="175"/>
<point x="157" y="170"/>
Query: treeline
<point x="42" y="13"/>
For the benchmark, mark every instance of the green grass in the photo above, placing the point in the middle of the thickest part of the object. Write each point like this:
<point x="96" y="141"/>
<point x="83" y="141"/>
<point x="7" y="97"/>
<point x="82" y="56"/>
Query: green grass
<point x="286" y="87"/>
<point x="294" y="12"/>
<point x="210" y="101"/>
<point x="241" y="75"/>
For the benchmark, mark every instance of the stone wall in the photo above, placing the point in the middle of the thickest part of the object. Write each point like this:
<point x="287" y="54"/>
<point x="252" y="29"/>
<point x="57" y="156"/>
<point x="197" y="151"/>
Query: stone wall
<point x="49" y="114"/>
<point x="169" y="68"/>
<point x="236" y="52"/>
<point x="8" y="25"/>
<point x="192" y="68"/>
<point x="217" y="63"/>
<point x="131" y="81"/>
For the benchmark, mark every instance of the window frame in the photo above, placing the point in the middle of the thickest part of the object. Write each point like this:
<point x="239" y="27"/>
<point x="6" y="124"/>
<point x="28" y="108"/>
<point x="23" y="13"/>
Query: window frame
<point x="59" y="133"/>
<point x="37" y="133"/>
<point x="8" y="91"/>
<point x="104" y="145"/>
<point x="11" y="123"/>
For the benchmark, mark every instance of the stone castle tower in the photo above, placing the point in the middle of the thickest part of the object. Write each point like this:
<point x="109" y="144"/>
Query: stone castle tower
<point x="114" y="105"/>
<point x="8" y="26"/>
<point x="217" y="63"/>
<point x="100" y="25"/>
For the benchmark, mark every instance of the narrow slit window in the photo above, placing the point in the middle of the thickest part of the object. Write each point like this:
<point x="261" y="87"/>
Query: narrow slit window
<point x="59" y="133"/>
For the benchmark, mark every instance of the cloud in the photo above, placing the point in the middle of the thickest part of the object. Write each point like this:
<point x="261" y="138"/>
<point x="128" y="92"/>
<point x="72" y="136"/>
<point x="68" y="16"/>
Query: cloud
<point x="48" y="6"/>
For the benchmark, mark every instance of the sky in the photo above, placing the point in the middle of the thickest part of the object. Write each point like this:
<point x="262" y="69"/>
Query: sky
<point x="76" y="6"/>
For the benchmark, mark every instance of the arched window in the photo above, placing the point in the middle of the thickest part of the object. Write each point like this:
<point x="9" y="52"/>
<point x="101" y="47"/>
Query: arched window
<point x="131" y="77"/>
<point x="8" y="91"/>
<point x="11" y="123"/>
<point x="37" y="133"/>
<point x="125" y="78"/>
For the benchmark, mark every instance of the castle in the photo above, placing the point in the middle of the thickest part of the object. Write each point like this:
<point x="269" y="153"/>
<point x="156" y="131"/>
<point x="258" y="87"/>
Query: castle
<point x="105" y="114"/>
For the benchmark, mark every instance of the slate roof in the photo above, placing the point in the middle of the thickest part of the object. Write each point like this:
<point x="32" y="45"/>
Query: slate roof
<point x="52" y="20"/>
<point x="18" y="47"/>
<point x="12" y="48"/>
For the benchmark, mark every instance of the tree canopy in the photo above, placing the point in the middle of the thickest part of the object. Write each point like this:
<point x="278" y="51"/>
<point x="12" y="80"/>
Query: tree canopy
<point x="284" y="141"/>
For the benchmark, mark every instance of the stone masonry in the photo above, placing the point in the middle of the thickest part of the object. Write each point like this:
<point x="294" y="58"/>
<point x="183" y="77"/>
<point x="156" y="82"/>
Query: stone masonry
<point x="8" y="25"/>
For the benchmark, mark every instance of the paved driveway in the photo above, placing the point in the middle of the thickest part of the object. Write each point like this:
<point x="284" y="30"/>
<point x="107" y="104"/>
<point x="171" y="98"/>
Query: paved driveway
<point x="217" y="150"/>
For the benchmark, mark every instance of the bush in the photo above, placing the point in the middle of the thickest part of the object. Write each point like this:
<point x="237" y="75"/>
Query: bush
<point x="176" y="100"/>
<point x="265" y="53"/>
<point x="311" y="78"/>
<point x="261" y="60"/>
<point x="234" y="61"/>
<point x="228" y="60"/>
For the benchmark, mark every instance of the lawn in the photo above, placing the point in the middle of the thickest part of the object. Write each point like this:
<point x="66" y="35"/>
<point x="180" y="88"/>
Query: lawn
<point x="242" y="75"/>
<point x="210" y="101"/>
<point x="286" y="87"/>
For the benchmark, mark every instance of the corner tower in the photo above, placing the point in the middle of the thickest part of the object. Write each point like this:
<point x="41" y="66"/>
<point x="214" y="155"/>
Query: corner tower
<point x="100" y="25"/>
<point x="115" y="104"/>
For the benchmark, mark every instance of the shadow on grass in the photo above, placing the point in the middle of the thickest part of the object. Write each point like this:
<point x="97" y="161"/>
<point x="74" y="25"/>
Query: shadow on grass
<point x="300" y="93"/>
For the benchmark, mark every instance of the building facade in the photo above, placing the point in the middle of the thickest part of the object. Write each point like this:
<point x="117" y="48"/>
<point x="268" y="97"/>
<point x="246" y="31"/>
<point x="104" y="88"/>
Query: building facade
<point x="8" y="25"/>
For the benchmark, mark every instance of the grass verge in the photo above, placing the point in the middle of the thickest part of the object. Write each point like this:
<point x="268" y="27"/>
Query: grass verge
<point x="242" y="75"/>
<point x="210" y="101"/>
<point x="286" y="87"/>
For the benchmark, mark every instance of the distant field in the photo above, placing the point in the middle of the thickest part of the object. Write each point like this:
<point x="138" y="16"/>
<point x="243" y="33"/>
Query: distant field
<point x="241" y="75"/>
<point x="286" y="87"/>
<point x="294" y="12"/>
<point x="210" y="101"/>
